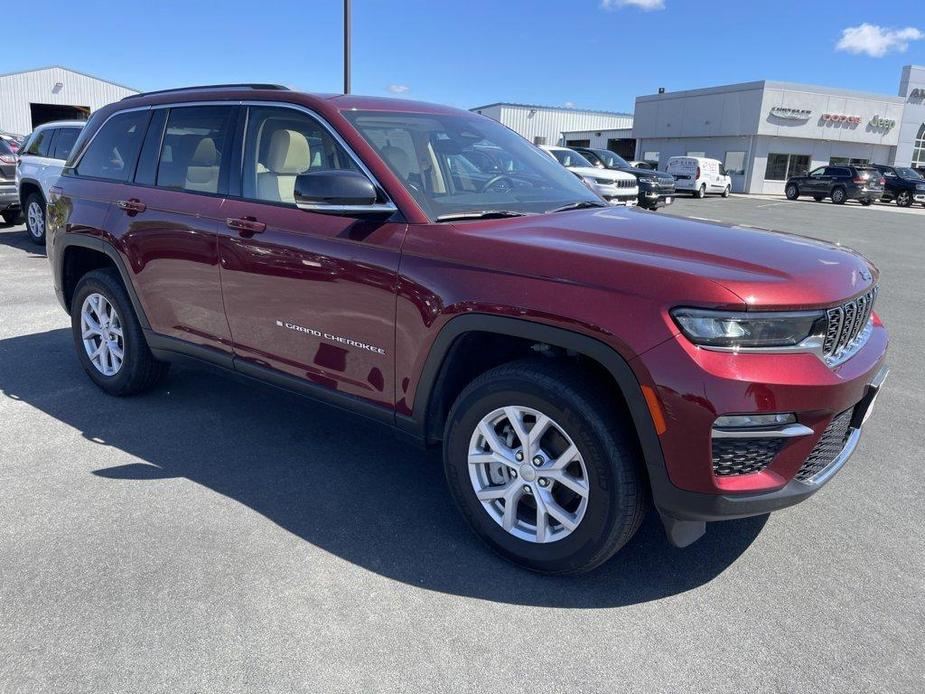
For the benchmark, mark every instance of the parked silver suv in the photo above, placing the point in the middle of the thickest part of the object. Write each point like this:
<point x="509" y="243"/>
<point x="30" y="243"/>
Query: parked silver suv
<point x="41" y="161"/>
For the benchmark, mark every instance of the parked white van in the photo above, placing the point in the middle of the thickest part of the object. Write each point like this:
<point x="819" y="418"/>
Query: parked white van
<point x="699" y="175"/>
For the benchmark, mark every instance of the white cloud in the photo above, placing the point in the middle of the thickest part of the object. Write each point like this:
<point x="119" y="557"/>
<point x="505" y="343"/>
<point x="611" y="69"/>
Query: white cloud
<point x="876" y="41"/>
<point x="645" y="5"/>
<point x="569" y="104"/>
<point x="399" y="88"/>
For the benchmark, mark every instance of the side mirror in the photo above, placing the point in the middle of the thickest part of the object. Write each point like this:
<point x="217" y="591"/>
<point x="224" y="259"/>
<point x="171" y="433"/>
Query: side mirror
<point x="338" y="192"/>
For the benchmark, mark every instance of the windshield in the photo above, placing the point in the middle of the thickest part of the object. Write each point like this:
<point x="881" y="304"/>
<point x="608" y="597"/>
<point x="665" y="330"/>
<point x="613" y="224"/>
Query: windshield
<point x="570" y="158"/>
<point x="4" y="147"/>
<point x="457" y="164"/>
<point x="906" y="172"/>
<point x="612" y="160"/>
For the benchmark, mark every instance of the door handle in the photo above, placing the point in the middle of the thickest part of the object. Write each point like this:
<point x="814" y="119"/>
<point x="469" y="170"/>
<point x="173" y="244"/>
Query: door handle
<point x="245" y="225"/>
<point x="132" y="206"/>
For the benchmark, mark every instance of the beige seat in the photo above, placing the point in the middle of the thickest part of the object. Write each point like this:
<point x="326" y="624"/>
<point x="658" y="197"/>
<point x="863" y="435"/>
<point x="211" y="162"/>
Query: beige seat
<point x="289" y="155"/>
<point x="202" y="173"/>
<point x="398" y="159"/>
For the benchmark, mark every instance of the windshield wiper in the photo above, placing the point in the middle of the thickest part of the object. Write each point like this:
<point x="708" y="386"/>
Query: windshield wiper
<point x="580" y="205"/>
<point x="483" y="214"/>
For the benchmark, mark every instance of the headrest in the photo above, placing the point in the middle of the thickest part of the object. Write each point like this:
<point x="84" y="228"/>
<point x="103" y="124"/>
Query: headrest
<point x="398" y="159"/>
<point x="289" y="152"/>
<point x="205" y="154"/>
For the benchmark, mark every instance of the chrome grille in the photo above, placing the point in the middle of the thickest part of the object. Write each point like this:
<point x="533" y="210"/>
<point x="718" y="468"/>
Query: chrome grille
<point x="846" y="325"/>
<point x="626" y="184"/>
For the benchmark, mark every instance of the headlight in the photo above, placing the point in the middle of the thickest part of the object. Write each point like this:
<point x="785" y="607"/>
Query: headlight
<point x="648" y="179"/>
<point x="731" y="329"/>
<point x="603" y="181"/>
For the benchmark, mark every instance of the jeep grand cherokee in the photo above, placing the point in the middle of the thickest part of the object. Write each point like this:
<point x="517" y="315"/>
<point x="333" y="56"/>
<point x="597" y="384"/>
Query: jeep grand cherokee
<point x="576" y="362"/>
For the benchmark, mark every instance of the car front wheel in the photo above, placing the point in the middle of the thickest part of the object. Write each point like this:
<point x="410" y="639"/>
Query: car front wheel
<point x="726" y="192"/>
<point x="35" y="218"/>
<point x="792" y="192"/>
<point x="904" y="199"/>
<point x="542" y="469"/>
<point x="11" y="216"/>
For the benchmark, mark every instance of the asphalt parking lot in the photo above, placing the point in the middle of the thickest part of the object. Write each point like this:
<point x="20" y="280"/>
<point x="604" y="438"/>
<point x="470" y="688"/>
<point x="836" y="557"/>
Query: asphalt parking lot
<point x="221" y="536"/>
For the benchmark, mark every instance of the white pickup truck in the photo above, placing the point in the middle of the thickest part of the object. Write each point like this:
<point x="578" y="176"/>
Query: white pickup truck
<point x="40" y="162"/>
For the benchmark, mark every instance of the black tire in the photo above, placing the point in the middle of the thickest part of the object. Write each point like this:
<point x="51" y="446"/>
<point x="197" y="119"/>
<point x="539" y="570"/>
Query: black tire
<point x="792" y="191"/>
<point x="140" y="371"/>
<point x="866" y="203"/>
<point x="904" y="199"/>
<point x="11" y="216"/>
<point x="701" y="192"/>
<point x="618" y="495"/>
<point x="839" y="196"/>
<point x="818" y="198"/>
<point x="726" y="192"/>
<point x="35" y="230"/>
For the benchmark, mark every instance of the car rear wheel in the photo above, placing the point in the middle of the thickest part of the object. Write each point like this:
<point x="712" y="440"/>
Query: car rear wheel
<point x="35" y="218"/>
<point x="839" y="196"/>
<point x="792" y="192"/>
<point x="542" y="469"/>
<point x="904" y="199"/>
<point x="108" y="337"/>
<point x="701" y="192"/>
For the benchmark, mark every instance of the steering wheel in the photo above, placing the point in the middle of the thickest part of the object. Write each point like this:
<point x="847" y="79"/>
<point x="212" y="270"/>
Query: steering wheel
<point x="495" y="180"/>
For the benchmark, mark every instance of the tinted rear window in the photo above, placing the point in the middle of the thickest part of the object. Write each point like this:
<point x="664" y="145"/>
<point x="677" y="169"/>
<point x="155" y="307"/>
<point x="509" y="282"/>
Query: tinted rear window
<point x="5" y="148"/>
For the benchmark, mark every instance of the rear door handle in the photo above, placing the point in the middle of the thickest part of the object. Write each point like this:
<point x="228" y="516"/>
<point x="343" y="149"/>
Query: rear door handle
<point x="132" y="205"/>
<point x="245" y="225"/>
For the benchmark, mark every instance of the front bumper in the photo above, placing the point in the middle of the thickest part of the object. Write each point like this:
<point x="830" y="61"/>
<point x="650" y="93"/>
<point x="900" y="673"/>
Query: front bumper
<point x="695" y="386"/>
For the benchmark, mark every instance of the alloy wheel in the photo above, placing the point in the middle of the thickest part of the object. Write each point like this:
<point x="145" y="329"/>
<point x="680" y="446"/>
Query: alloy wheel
<point x="904" y="199"/>
<point x="102" y="334"/>
<point x="528" y="474"/>
<point x="35" y="219"/>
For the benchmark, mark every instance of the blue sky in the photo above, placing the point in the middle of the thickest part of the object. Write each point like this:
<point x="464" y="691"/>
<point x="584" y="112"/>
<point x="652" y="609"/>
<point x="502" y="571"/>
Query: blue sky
<point x="596" y="54"/>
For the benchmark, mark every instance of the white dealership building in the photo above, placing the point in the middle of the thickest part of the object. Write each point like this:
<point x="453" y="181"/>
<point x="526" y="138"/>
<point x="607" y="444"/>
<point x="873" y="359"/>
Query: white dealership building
<point x="765" y="131"/>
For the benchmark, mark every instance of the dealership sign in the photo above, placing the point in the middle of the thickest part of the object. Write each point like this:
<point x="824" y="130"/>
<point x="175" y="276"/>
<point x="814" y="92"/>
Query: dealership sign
<point x="885" y="123"/>
<point x="917" y="94"/>
<point x="791" y="113"/>
<point x="841" y="118"/>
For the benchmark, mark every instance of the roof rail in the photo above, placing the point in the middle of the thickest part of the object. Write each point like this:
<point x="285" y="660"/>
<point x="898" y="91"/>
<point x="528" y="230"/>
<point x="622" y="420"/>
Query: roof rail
<point x="209" y="86"/>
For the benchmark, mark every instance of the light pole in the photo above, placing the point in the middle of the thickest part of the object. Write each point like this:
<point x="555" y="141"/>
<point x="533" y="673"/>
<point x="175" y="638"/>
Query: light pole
<point x="346" y="46"/>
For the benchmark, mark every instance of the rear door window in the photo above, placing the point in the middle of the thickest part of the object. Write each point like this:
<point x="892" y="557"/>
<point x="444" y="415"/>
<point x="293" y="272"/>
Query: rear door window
<point x="63" y="143"/>
<point x="196" y="142"/>
<point x="114" y="150"/>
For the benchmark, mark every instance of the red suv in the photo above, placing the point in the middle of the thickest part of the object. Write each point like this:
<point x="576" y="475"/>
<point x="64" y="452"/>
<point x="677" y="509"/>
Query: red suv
<point x="575" y="361"/>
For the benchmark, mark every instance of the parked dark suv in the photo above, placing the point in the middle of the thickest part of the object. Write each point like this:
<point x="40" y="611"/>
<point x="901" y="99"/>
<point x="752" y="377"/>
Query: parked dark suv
<point x="576" y="362"/>
<point x="840" y="183"/>
<point x="903" y="184"/>
<point x="9" y="198"/>
<point x="656" y="188"/>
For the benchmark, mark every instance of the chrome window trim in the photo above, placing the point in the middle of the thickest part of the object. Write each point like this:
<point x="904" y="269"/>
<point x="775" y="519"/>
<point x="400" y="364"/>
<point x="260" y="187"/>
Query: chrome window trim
<point x="387" y="206"/>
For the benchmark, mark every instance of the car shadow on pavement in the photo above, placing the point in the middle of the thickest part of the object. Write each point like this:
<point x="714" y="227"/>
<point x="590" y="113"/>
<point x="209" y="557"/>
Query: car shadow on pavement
<point x="339" y="482"/>
<point x="18" y="238"/>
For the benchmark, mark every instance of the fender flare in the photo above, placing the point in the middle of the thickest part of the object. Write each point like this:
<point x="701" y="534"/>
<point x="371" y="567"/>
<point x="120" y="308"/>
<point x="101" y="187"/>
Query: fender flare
<point x="65" y="241"/>
<point x="604" y="354"/>
<point x="30" y="181"/>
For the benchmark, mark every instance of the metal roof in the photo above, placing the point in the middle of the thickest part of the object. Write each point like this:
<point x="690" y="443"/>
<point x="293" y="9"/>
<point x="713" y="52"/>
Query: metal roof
<point x="68" y="69"/>
<point x="563" y="109"/>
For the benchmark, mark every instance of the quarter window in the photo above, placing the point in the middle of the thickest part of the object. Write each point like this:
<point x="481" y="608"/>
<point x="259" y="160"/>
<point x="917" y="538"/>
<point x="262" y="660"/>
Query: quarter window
<point x="40" y="143"/>
<point x="114" y="149"/>
<point x="283" y="144"/>
<point x="195" y="142"/>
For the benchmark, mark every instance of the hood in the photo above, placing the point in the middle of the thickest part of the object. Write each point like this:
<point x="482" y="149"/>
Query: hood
<point x="639" y="173"/>
<point x="640" y="252"/>
<point x="594" y="172"/>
